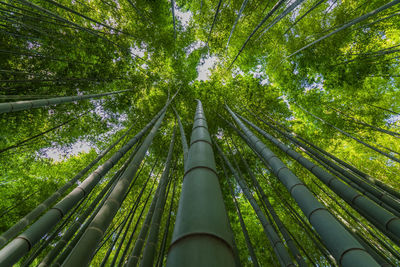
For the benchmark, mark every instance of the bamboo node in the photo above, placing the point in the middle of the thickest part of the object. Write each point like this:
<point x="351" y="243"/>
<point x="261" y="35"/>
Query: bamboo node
<point x="59" y="210"/>
<point x="83" y="190"/>
<point x="346" y="251"/>
<point x="281" y="168"/>
<point x="391" y="220"/>
<point x="354" y="198"/>
<point x="201" y="140"/>
<point x="200" y="119"/>
<point x="199" y="126"/>
<point x="311" y="213"/>
<point x="313" y="167"/>
<point x="291" y="189"/>
<point x="97" y="229"/>
<point x="196" y="167"/>
<point x="27" y="241"/>
<point x="330" y="180"/>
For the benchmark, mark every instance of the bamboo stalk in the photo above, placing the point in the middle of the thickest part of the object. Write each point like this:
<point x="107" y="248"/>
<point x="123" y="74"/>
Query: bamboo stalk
<point x="24" y="105"/>
<point x="201" y="235"/>
<point x="289" y="241"/>
<point x="151" y="242"/>
<point x="354" y="138"/>
<point x="343" y="246"/>
<point x="84" y="249"/>
<point x="22" y="244"/>
<point x="242" y="224"/>
<point x="367" y="207"/>
<point x="127" y="221"/>
<point x="275" y="240"/>
<point x="183" y="138"/>
<point x="31" y="216"/>
<point x="347" y="25"/>
<point x="160" y="259"/>
<point x="386" y="188"/>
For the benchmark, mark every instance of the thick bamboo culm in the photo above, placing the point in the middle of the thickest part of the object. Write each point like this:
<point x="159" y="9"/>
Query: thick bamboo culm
<point x="344" y="247"/>
<point x="201" y="226"/>
<point x="367" y="207"/>
<point x="127" y="247"/>
<point x="363" y="175"/>
<point x="61" y="257"/>
<point x="126" y="223"/>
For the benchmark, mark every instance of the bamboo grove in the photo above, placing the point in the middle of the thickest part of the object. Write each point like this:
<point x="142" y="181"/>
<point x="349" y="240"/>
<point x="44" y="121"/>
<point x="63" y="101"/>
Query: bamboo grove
<point x="199" y="133"/>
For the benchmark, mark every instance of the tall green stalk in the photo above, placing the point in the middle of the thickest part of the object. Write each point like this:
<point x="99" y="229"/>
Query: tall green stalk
<point x="79" y="222"/>
<point x="298" y="19"/>
<point x="289" y="241"/>
<point x="127" y="222"/>
<point x="69" y="246"/>
<point x="214" y="21"/>
<point x="308" y="230"/>
<point x="23" y="142"/>
<point x="374" y="253"/>
<point x="357" y="121"/>
<point x="127" y="246"/>
<point x="161" y="254"/>
<point x="242" y="224"/>
<point x="151" y="243"/>
<point x="133" y="259"/>
<point x="24" y="105"/>
<point x="55" y="233"/>
<point x="387" y="220"/>
<point x="280" y="16"/>
<point x="183" y="138"/>
<point x="343" y="246"/>
<point x="278" y="4"/>
<point x="23" y="243"/>
<point x="297" y="138"/>
<point x="377" y="241"/>
<point x="27" y="219"/>
<point x="353" y="137"/>
<point x="347" y="25"/>
<point x="275" y="240"/>
<point x="355" y="186"/>
<point x="201" y="235"/>
<point x="83" y="251"/>
<point x="365" y="176"/>
<point x="244" y="3"/>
